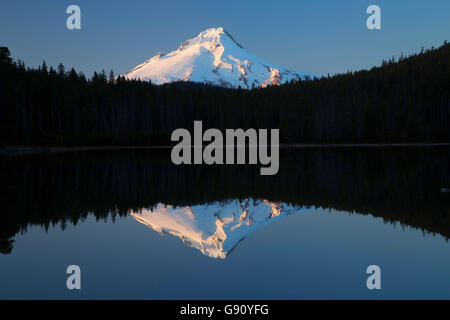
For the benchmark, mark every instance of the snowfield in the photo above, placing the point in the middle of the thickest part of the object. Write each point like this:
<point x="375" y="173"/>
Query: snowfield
<point x="213" y="57"/>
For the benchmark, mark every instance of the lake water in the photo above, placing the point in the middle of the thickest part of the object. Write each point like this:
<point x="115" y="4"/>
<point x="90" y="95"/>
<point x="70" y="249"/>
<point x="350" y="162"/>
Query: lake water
<point x="140" y="227"/>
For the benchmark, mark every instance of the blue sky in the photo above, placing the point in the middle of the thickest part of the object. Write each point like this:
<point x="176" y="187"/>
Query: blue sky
<point x="319" y="37"/>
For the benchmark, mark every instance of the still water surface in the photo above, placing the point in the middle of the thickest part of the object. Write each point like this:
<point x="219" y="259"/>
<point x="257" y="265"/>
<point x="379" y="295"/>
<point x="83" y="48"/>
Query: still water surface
<point x="142" y="228"/>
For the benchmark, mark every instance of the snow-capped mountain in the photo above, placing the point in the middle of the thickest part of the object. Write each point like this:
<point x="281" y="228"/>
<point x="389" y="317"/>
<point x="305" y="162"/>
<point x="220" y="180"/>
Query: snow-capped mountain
<point x="213" y="57"/>
<point x="216" y="228"/>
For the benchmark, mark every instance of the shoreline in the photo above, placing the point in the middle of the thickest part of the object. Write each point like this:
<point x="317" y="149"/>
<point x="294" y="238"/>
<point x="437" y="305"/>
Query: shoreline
<point x="368" y="145"/>
<point x="25" y="150"/>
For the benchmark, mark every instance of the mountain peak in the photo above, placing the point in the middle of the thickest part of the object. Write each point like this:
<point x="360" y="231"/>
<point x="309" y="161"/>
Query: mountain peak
<point x="213" y="57"/>
<point x="212" y="31"/>
<point x="211" y="35"/>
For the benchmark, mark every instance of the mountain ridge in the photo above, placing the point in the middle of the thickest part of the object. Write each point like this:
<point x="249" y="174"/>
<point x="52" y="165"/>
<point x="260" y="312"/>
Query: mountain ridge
<point x="213" y="57"/>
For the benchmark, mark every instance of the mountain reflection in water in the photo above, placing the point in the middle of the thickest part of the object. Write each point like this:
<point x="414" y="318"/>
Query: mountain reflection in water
<point x="215" y="229"/>
<point x="400" y="185"/>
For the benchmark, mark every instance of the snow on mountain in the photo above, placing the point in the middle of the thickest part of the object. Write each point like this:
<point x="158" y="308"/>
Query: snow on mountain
<point x="213" y="57"/>
<point x="215" y="229"/>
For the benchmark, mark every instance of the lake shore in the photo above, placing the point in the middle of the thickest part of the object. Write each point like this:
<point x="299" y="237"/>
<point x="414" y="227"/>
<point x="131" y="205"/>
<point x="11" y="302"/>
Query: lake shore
<point x="24" y="150"/>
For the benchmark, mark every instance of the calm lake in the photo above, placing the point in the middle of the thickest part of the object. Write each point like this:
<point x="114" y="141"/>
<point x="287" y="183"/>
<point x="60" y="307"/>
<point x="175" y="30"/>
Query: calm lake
<point x="140" y="227"/>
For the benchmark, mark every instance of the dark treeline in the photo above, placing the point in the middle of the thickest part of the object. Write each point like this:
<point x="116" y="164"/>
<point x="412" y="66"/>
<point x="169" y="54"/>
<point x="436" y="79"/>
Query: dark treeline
<point x="407" y="100"/>
<point x="398" y="185"/>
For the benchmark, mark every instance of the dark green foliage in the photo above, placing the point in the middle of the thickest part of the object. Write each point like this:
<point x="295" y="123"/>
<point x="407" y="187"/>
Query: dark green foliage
<point x="5" y="56"/>
<point x="401" y="101"/>
<point x="397" y="184"/>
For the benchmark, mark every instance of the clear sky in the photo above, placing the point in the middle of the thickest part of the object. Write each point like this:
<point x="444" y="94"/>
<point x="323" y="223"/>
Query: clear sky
<point x="318" y="37"/>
